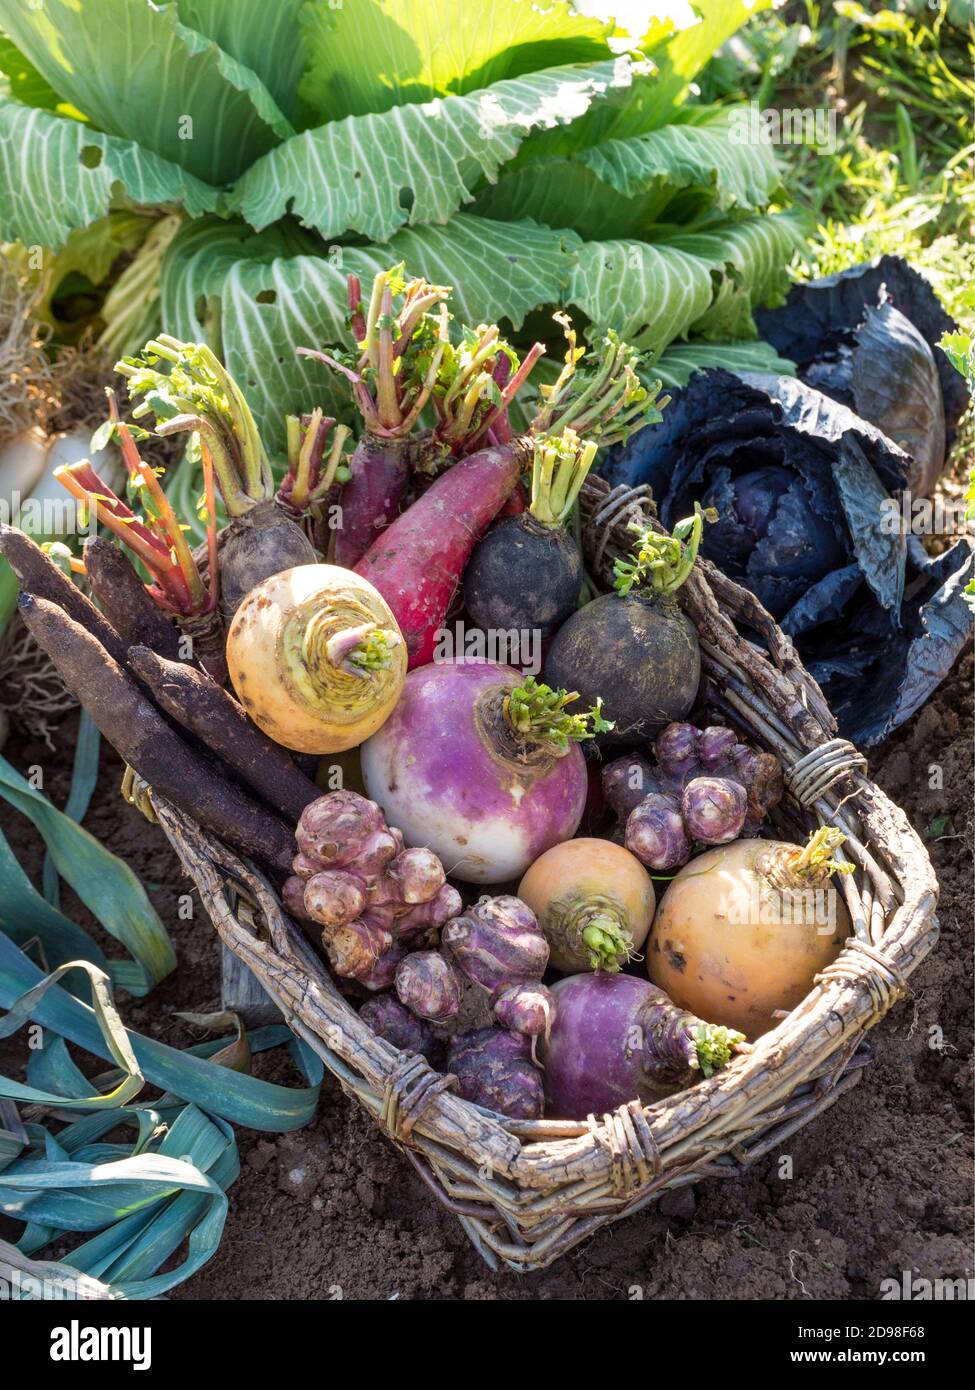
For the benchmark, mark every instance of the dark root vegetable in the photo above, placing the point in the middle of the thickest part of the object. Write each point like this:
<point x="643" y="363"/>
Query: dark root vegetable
<point x="494" y="1069"/>
<point x="203" y="707"/>
<point x="43" y="579"/>
<point x="523" y="576"/>
<point x="527" y="571"/>
<point x="254" y="547"/>
<point x="636" y="647"/>
<point x="141" y="736"/>
<point x="125" y="600"/>
<point x="389" y="1019"/>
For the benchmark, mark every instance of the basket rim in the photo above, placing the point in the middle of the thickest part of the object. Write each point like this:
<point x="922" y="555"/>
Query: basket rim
<point x="895" y="928"/>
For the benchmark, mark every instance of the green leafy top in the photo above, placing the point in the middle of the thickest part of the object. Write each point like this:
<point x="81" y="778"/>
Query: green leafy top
<point x="536" y="712"/>
<point x="560" y="464"/>
<point x="713" y="1046"/>
<point x="477" y="381"/>
<point x="603" y="398"/>
<point x="399" y="345"/>
<point x="310" y="474"/>
<point x="660" y="561"/>
<point x="198" y="394"/>
<point x="816" y="858"/>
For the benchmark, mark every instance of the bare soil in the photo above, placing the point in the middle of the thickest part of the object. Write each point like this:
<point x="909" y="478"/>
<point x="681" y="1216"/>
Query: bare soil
<point x="880" y="1184"/>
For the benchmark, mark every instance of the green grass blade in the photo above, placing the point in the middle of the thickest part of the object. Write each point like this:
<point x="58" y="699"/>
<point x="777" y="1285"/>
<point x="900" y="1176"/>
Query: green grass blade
<point x="84" y="779"/>
<point x="26" y="916"/>
<point x="103" y="882"/>
<point x="112" y="1036"/>
<point x="243" y="1100"/>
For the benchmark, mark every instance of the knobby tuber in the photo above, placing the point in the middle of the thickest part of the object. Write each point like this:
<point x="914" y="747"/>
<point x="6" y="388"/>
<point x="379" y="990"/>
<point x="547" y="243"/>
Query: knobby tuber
<point x="354" y="878"/>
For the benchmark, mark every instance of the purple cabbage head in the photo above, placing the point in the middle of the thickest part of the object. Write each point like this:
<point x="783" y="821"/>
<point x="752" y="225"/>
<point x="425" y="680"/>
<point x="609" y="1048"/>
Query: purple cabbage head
<point x="808" y="499"/>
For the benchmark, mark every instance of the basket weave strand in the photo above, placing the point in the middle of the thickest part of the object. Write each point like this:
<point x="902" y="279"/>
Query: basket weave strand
<point x="526" y="1192"/>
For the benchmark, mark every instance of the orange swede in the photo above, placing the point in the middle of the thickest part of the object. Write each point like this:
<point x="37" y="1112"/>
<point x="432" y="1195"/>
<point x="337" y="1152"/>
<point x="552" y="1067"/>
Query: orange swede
<point x="594" y="901"/>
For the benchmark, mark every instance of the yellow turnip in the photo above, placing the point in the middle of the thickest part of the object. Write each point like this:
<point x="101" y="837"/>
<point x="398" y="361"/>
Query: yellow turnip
<point x="743" y="930"/>
<point x="316" y="658"/>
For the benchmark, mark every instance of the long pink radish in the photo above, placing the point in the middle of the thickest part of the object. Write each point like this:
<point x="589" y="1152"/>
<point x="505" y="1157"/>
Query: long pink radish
<point x="418" y="561"/>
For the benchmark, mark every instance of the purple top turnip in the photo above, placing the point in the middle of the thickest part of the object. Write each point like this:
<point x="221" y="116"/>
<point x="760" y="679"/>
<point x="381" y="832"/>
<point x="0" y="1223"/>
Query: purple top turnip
<point x="617" y="1038"/>
<point x="481" y="766"/>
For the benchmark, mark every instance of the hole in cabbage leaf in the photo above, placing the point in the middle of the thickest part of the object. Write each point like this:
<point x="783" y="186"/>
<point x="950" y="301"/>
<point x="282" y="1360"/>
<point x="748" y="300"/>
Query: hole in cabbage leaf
<point x="266" y="297"/>
<point x="91" y="156"/>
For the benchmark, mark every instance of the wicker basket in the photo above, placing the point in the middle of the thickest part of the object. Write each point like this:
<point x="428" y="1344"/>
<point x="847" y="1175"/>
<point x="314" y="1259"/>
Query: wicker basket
<point x="528" y="1191"/>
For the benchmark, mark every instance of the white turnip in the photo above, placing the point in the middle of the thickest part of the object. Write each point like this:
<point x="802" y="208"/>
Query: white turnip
<point x="316" y="658"/>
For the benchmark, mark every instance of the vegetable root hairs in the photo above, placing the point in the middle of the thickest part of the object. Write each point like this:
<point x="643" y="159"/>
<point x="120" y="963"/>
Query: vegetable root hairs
<point x="32" y="693"/>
